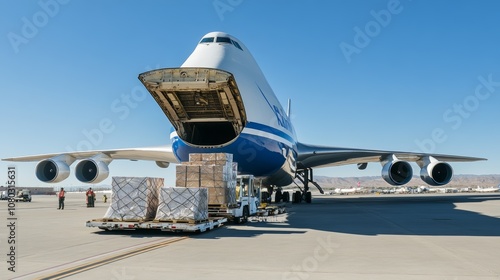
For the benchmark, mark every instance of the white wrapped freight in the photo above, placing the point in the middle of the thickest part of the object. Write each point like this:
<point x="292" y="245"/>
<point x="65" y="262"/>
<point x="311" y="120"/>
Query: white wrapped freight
<point x="134" y="198"/>
<point x="183" y="204"/>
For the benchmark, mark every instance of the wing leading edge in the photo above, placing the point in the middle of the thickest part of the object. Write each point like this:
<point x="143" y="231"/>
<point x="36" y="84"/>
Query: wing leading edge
<point x="311" y="156"/>
<point x="160" y="154"/>
<point x="93" y="165"/>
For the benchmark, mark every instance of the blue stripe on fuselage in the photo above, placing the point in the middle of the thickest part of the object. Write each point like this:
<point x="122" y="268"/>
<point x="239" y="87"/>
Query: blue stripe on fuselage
<point x="256" y="155"/>
<point x="271" y="130"/>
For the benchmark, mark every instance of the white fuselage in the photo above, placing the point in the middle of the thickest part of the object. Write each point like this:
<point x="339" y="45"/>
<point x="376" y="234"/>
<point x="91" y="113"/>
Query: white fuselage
<point x="266" y="146"/>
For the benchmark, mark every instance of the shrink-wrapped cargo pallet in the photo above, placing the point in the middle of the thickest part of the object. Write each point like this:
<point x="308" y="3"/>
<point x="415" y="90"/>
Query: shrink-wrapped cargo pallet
<point x="187" y="175"/>
<point x="222" y="196"/>
<point x="183" y="205"/>
<point x="221" y="188"/>
<point x="210" y="158"/>
<point x="214" y="171"/>
<point x="134" y="198"/>
<point x="215" y="175"/>
<point x="234" y="174"/>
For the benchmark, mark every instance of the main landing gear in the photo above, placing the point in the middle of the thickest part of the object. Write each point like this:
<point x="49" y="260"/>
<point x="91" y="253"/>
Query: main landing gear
<point x="281" y="196"/>
<point x="306" y="177"/>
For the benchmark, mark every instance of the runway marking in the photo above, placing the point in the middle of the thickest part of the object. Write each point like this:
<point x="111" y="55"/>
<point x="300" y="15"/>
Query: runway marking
<point x="100" y="262"/>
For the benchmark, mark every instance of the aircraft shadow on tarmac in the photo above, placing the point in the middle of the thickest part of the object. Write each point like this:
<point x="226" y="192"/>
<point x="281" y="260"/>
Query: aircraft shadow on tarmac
<point x="395" y="215"/>
<point x="381" y="215"/>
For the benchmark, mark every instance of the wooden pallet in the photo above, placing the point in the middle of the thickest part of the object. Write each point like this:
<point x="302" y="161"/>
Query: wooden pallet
<point x="105" y="220"/>
<point x="187" y="221"/>
<point x="224" y="206"/>
<point x="119" y="220"/>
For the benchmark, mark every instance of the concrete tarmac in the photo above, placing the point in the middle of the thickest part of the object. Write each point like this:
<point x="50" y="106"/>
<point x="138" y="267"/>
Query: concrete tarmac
<point x="428" y="236"/>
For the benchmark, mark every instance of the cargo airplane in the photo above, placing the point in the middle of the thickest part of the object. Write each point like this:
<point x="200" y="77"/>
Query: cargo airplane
<point x="220" y="101"/>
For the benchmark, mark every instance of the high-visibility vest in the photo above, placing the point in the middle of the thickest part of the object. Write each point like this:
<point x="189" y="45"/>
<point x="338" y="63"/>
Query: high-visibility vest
<point x="61" y="194"/>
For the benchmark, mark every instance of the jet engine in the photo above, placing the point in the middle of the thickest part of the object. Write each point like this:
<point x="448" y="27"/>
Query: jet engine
<point x="53" y="170"/>
<point x="92" y="170"/>
<point x="162" y="164"/>
<point x="436" y="173"/>
<point x="397" y="172"/>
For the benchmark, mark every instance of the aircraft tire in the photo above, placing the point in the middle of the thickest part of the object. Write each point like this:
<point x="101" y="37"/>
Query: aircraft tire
<point x="246" y="214"/>
<point x="308" y="197"/>
<point x="297" y="197"/>
<point x="278" y="196"/>
<point x="286" y="197"/>
<point x="265" y="196"/>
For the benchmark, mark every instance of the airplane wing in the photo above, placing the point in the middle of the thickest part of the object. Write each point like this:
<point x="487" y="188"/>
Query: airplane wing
<point x="160" y="154"/>
<point x="310" y="156"/>
<point x="93" y="165"/>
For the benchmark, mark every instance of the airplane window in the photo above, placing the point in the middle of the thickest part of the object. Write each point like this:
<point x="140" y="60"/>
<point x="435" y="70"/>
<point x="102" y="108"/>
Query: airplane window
<point x="223" y="40"/>
<point x="237" y="45"/>
<point x="207" y="40"/>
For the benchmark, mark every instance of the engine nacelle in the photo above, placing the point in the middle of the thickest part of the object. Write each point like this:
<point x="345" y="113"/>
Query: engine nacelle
<point x="436" y="173"/>
<point x="91" y="170"/>
<point x="397" y="172"/>
<point x="52" y="170"/>
<point x="162" y="164"/>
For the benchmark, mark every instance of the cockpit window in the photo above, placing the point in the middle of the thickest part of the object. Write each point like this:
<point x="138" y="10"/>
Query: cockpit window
<point x="223" y="40"/>
<point x="220" y="40"/>
<point x="207" y="40"/>
<point x="237" y="45"/>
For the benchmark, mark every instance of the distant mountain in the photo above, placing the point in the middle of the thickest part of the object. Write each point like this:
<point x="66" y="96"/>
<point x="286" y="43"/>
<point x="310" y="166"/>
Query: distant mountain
<point x="377" y="181"/>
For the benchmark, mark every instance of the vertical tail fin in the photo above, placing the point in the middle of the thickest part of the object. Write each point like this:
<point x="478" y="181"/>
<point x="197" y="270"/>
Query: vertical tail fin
<point x="289" y="108"/>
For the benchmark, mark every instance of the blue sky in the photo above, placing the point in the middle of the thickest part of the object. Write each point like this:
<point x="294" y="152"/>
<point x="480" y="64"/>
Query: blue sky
<point x="392" y="75"/>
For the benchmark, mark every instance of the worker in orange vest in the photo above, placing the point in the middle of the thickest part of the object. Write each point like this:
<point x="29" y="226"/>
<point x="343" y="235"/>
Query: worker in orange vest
<point x="90" y="198"/>
<point x="61" y="196"/>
